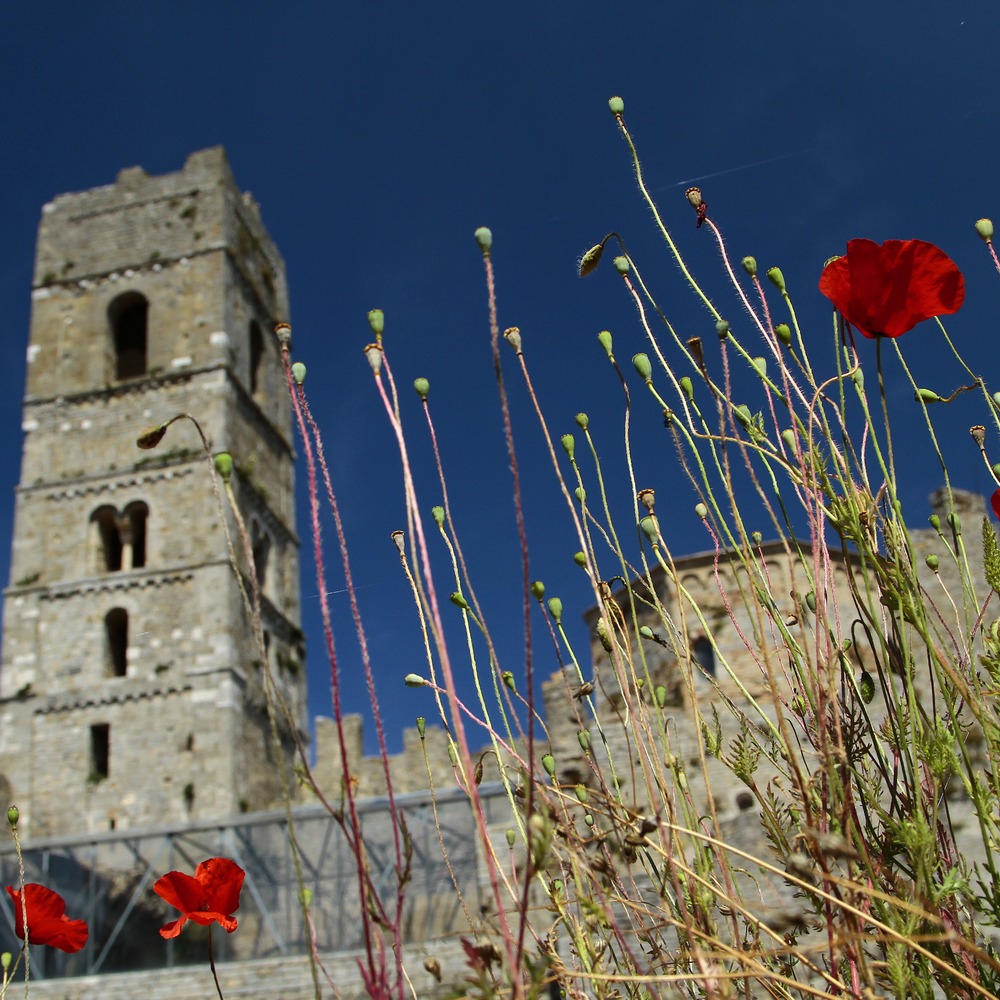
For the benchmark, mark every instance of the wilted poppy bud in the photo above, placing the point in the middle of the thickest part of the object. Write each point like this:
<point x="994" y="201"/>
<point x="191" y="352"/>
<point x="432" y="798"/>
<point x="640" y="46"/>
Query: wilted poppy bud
<point x="376" y="320"/>
<point x="590" y="260"/>
<point x="513" y="337"/>
<point x="421" y="726"/>
<point x="647" y="498"/>
<point x="433" y="966"/>
<point x="299" y="372"/>
<point x="556" y="609"/>
<point x="622" y="265"/>
<point x="485" y="239"/>
<point x="985" y="229"/>
<point x="932" y="562"/>
<point x="150" y="439"/>
<point x="399" y="540"/>
<point x="978" y="433"/>
<point x="373" y="352"/>
<point x="643" y="366"/>
<point x="617" y="106"/>
<point x="776" y="278"/>
<point x="13" y="815"/>
<point x="283" y="332"/>
<point x="421" y="386"/>
<point x="569" y="445"/>
<point x="750" y="266"/>
<point x="784" y="333"/>
<point x="538" y="590"/>
<point x="693" y="195"/>
<point x="604" y="339"/>
<point x="224" y="465"/>
<point x="414" y="680"/>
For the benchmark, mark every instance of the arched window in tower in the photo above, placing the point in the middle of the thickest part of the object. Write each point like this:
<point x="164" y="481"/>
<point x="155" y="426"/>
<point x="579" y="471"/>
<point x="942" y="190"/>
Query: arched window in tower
<point x="704" y="655"/>
<point x="116" y="642"/>
<point x="260" y="545"/>
<point x="133" y="534"/>
<point x="106" y="542"/>
<point x="256" y="355"/>
<point x="128" y="315"/>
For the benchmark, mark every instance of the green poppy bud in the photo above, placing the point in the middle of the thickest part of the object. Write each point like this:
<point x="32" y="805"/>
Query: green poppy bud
<point x="776" y="278"/>
<point x="508" y="678"/>
<point x="722" y="328"/>
<point x="582" y="421"/>
<point x="421" y="726"/>
<point x="437" y="513"/>
<point x="604" y="339"/>
<point x="661" y="695"/>
<point x="581" y="793"/>
<point x="935" y="522"/>
<point x="588" y="819"/>
<point x="224" y="465"/>
<point x="650" y="527"/>
<point x="927" y="396"/>
<point x="13" y="815"/>
<point x="376" y="320"/>
<point x="985" y="229"/>
<point x="580" y="493"/>
<point x="811" y="600"/>
<point x="583" y="738"/>
<point x="453" y="754"/>
<point x="643" y="366"/>
<point x="511" y="838"/>
<point x="788" y="436"/>
<point x="687" y="387"/>
<point x="549" y="763"/>
<point x="414" y="681"/>
<point x="580" y="558"/>
<point x="617" y="106"/>
<point x="485" y="239"/>
<point x="458" y="600"/>
<point x="538" y="590"/>
<point x="569" y="445"/>
<point x="867" y="686"/>
<point x="955" y="523"/>
<point x="784" y="333"/>
<point x="932" y="562"/>
<point x="422" y="387"/>
<point x="590" y="260"/>
<point x="556" y="609"/>
<point x="622" y="265"/>
<point x="299" y="372"/>
<point x="646" y="632"/>
<point x="760" y="366"/>
<point x="858" y="378"/>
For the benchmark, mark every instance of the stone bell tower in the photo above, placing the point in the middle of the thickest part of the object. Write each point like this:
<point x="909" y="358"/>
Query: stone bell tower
<point x="131" y="687"/>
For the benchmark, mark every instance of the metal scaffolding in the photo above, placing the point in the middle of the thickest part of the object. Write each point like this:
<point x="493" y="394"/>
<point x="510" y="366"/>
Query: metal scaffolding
<point x="106" y="879"/>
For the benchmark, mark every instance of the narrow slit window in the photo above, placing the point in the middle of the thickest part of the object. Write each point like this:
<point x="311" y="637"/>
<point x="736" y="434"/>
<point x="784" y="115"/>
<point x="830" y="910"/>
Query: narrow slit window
<point x="256" y="355"/>
<point x="704" y="655"/>
<point x="116" y="635"/>
<point x="100" y="751"/>
<point x="128" y="316"/>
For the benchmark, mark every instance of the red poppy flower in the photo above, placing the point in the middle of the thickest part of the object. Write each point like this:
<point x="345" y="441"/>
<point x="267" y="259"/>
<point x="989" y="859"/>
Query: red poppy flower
<point x="211" y="896"/>
<point x="995" y="501"/>
<point x="47" y="920"/>
<point x="886" y="290"/>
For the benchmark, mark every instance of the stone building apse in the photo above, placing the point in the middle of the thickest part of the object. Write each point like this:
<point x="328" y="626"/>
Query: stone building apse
<point x="130" y="686"/>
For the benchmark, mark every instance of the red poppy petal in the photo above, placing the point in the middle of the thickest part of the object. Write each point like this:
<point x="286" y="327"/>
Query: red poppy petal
<point x="47" y="920"/>
<point x="205" y="918"/>
<point x="180" y="891"/>
<point x="994" y="500"/>
<point x="222" y="881"/>
<point x="172" y="929"/>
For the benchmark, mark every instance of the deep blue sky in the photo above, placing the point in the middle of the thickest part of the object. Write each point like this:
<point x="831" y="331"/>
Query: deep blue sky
<point x="377" y="136"/>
